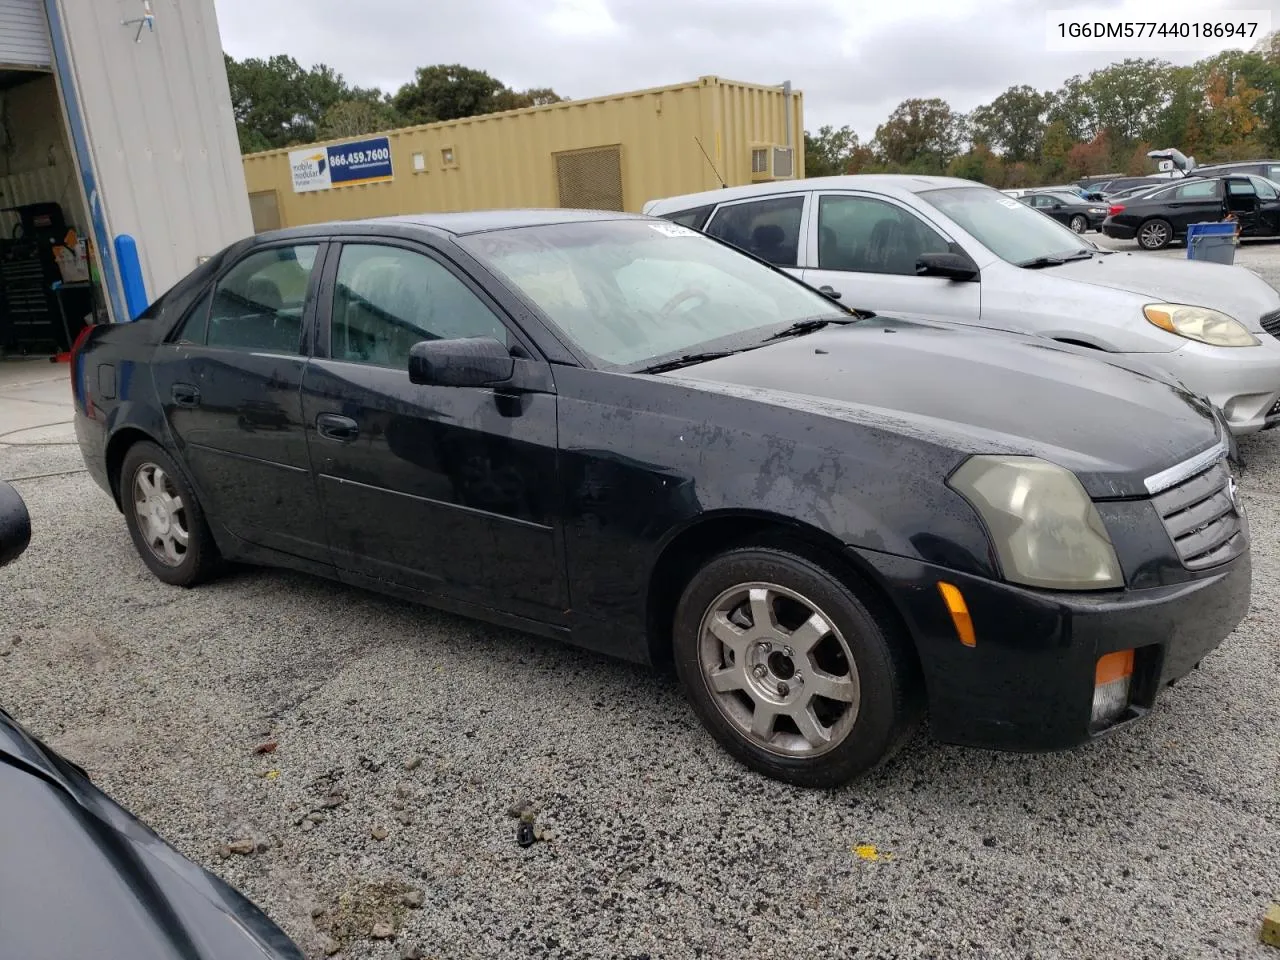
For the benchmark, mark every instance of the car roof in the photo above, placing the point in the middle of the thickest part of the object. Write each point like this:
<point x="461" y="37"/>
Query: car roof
<point x="457" y="224"/>
<point x="889" y="183"/>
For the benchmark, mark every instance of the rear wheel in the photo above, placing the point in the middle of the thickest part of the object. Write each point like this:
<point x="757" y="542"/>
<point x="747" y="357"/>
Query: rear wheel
<point x="790" y="670"/>
<point x="1155" y="234"/>
<point x="1079" y="224"/>
<point x="164" y="517"/>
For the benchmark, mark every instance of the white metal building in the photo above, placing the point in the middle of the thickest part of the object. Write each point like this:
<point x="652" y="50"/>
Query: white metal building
<point x="119" y="112"/>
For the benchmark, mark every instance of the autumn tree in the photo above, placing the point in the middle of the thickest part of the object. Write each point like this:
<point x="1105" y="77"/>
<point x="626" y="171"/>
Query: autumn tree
<point x="829" y="152"/>
<point x="1089" y="159"/>
<point x="452" y="91"/>
<point x="921" y="135"/>
<point x="1013" y="123"/>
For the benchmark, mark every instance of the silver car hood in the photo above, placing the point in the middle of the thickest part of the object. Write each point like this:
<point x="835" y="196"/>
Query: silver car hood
<point x="1235" y="291"/>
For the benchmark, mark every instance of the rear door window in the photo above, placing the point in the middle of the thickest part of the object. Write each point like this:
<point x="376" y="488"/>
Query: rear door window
<point x="258" y="304"/>
<point x="768" y="228"/>
<point x="1200" y="190"/>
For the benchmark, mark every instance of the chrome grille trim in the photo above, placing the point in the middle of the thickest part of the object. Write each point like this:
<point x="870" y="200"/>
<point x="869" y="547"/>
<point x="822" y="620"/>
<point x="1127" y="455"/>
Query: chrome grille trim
<point x="1188" y="468"/>
<point x="1202" y="517"/>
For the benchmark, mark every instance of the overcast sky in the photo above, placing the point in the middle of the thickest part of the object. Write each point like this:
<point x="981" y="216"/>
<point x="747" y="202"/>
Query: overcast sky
<point x="854" y="59"/>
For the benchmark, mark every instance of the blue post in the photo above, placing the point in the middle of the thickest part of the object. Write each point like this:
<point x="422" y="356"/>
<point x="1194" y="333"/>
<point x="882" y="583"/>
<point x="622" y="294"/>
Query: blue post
<point x="135" y="290"/>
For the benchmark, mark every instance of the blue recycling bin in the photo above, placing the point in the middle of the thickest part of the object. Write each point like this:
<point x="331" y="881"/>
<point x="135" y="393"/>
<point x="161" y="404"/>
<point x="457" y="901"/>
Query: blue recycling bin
<point x="1215" y="242"/>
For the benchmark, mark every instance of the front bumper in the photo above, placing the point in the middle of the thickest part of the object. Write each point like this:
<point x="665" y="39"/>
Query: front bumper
<point x="1242" y="382"/>
<point x="1027" y="684"/>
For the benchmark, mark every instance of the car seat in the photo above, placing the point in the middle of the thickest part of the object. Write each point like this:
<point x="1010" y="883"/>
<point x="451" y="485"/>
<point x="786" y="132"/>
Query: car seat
<point x="769" y="242"/>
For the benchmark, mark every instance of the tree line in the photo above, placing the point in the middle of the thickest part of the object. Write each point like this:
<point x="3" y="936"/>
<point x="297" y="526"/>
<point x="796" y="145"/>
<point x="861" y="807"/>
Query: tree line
<point x="1224" y="107"/>
<point x="279" y="103"/>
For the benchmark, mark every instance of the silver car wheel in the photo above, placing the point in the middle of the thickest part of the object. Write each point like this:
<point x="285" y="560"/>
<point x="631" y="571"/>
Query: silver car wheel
<point x="1153" y="235"/>
<point x="779" y="669"/>
<point x="1079" y="224"/>
<point x="161" y="515"/>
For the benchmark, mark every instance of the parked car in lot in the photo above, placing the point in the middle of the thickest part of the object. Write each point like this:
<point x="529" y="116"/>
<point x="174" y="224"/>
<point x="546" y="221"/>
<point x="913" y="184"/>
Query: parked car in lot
<point x="1270" y="169"/>
<point x="956" y="250"/>
<point x="1161" y="217"/>
<point x="1125" y="184"/>
<point x="613" y="430"/>
<point x="1077" y="213"/>
<point x="81" y="877"/>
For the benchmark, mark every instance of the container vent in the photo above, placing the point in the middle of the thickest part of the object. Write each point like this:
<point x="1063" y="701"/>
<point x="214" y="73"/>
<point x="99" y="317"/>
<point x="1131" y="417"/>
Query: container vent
<point x="783" y="159"/>
<point x="590" y="179"/>
<point x="760" y="160"/>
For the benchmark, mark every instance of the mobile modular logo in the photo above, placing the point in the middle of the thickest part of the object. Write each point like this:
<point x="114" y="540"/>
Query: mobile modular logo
<point x="310" y="169"/>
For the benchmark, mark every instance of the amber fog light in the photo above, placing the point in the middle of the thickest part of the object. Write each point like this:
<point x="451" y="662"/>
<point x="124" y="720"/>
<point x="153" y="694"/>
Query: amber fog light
<point x="1112" y="682"/>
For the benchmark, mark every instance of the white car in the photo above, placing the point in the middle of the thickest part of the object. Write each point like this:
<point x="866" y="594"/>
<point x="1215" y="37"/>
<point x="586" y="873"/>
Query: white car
<point x="957" y="250"/>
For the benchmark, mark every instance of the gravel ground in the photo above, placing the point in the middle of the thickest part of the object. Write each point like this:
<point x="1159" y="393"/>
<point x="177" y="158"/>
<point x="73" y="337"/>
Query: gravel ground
<point x="424" y="729"/>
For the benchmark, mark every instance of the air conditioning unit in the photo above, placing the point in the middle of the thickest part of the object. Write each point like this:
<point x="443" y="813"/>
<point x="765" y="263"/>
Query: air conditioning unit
<point x="772" y="162"/>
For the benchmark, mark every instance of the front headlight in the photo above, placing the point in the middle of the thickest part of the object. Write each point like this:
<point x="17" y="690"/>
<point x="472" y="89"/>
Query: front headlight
<point x="1200" y="323"/>
<point x="1046" y="530"/>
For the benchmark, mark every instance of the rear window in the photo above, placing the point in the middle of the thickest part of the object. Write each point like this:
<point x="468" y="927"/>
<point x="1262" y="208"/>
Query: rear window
<point x="693" y="218"/>
<point x="174" y="302"/>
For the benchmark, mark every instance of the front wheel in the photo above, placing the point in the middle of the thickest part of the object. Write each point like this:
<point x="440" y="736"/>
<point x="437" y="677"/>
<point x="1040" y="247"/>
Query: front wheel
<point x="1155" y="234"/>
<point x="790" y="670"/>
<point x="1079" y="224"/>
<point x="164" y="517"/>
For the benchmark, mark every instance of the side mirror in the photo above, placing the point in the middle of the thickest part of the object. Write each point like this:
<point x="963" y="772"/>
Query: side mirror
<point x="469" y="362"/>
<point x="952" y="266"/>
<point x="1056" y="206"/>
<point x="15" y="524"/>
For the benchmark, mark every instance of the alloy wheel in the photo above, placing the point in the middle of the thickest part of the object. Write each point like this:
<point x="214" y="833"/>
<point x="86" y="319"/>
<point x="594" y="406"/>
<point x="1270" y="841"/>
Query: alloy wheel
<point x="1079" y="224"/>
<point x="161" y="514"/>
<point x="779" y="669"/>
<point x="1153" y="235"/>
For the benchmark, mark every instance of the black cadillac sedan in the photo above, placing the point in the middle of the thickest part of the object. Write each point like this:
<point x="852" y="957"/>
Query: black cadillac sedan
<point x="617" y="431"/>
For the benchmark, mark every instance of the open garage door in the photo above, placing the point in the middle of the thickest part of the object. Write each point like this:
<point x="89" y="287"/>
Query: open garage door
<point x="24" y="35"/>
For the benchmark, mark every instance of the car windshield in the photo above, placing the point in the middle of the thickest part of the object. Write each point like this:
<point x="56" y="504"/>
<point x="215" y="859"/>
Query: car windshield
<point x="632" y="292"/>
<point x="1009" y="229"/>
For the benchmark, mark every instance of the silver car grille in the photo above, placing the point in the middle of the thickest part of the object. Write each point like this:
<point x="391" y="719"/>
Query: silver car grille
<point x="1203" y="517"/>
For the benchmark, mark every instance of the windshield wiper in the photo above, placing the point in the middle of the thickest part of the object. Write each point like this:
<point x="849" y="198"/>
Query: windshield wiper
<point x="801" y="327"/>
<point x="688" y="360"/>
<point x="1038" y="263"/>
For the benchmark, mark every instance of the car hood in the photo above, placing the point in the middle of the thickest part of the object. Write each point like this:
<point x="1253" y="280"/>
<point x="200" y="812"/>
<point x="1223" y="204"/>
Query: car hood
<point x="1235" y="291"/>
<point x="81" y="877"/>
<point x="980" y="392"/>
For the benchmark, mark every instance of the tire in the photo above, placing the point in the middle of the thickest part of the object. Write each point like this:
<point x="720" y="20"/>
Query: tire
<point x="1079" y="224"/>
<point x="863" y="659"/>
<point x="1155" y="234"/>
<point x="158" y="520"/>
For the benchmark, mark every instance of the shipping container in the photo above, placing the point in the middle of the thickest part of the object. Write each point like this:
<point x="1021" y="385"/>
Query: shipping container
<point x="612" y="153"/>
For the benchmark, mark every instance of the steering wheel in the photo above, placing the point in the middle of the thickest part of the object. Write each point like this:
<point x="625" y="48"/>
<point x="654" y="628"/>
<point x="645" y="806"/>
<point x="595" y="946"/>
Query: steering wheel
<point x="684" y="296"/>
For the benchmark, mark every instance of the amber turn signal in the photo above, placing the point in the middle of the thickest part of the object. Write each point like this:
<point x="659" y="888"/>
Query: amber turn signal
<point x="959" y="611"/>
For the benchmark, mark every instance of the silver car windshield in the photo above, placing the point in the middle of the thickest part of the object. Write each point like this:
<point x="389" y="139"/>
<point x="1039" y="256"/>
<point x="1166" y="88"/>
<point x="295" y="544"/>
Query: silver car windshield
<point x="627" y="292"/>
<point x="1008" y="228"/>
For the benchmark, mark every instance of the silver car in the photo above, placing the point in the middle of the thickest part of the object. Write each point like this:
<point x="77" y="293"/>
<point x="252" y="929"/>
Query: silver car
<point x="954" y="249"/>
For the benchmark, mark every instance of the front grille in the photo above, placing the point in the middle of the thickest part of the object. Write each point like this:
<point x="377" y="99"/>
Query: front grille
<point x="1271" y="323"/>
<point x="1203" y="519"/>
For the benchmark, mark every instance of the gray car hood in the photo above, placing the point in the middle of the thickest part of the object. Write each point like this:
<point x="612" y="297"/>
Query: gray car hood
<point x="1235" y="291"/>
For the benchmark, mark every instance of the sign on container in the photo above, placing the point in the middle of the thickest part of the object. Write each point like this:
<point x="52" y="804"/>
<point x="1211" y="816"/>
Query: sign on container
<point x="341" y="165"/>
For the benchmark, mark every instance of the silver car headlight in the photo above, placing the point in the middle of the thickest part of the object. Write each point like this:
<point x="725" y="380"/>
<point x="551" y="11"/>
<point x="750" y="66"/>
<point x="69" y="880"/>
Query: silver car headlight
<point x="1199" y="323"/>
<point x="1046" y="530"/>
